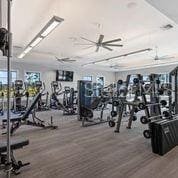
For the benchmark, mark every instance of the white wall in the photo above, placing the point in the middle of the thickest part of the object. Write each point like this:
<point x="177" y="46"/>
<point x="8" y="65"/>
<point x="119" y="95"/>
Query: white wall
<point x="157" y="70"/>
<point x="48" y="74"/>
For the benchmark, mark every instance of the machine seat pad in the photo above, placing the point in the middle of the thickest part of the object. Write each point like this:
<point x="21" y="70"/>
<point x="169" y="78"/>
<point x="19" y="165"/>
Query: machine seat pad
<point x="15" y="144"/>
<point x="13" y="119"/>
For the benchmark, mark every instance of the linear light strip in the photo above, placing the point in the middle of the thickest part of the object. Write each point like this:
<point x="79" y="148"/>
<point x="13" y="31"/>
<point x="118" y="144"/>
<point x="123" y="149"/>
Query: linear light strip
<point x="149" y="66"/>
<point x="116" y="57"/>
<point x="48" y="28"/>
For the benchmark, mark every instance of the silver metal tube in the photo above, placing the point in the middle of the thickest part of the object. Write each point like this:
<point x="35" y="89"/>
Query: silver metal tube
<point x="8" y="87"/>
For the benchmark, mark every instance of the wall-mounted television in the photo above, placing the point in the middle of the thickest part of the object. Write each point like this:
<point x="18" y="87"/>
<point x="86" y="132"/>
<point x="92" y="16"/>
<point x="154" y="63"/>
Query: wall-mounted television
<point x="66" y="76"/>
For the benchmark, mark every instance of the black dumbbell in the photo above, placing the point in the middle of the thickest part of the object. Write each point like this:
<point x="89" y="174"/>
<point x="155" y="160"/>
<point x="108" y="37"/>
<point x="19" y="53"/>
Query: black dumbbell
<point x="134" y="118"/>
<point x="120" y="82"/>
<point x="160" y="91"/>
<point x="111" y="123"/>
<point x="141" y="106"/>
<point x="135" y="80"/>
<point x="166" y="114"/>
<point x="147" y="134"/>
<point x="116" y="103"/>
<point x="163" y="102"/>
<point x="144" y="120"/>
<point x="113" y="113"/>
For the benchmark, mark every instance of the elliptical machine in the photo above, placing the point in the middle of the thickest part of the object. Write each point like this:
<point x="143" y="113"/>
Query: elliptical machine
<point x="42" y="104"/>
<point x="19" y="93"/>
<point x="68" y="106"/>
<point x="56" y="88"/>
<point x="69" y="100"/>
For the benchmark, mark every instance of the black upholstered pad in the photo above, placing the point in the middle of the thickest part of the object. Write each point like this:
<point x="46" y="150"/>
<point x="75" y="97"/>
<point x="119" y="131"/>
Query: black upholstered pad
<point x="15" y="144"/>
<point x="13" y="119"/>
<point x="27" y="112"/>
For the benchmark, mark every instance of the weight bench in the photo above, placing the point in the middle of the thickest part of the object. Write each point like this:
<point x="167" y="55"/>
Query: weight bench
<point x="23" y="120"/>
<point x="15" y="165"/>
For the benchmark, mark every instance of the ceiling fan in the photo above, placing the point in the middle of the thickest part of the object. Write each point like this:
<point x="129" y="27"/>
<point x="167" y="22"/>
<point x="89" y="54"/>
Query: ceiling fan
<point x="115" y="66"/>
<point x="100" y="44"/>
<point x="65" y="60"/>
<point x="157" y="57"/>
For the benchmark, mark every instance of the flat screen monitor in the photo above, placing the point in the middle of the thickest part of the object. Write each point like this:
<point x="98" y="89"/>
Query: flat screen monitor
<point x="66" y="76"/>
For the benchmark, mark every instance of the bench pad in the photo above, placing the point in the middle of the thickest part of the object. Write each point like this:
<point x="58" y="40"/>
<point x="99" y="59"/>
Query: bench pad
<point x="15" y="144"/>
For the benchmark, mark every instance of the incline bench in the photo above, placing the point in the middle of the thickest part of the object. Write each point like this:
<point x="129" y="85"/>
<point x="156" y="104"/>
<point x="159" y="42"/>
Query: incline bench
<point x="23" y="120"/>
<point x="15" y="145"/>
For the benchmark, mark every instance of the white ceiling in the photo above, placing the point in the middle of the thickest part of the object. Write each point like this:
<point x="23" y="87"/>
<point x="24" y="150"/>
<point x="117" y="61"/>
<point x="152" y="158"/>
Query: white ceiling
<point x="136" y="22"/>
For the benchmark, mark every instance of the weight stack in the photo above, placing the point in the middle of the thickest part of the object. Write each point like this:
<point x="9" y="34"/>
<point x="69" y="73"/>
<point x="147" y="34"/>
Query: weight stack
<point x="164" y="135"/>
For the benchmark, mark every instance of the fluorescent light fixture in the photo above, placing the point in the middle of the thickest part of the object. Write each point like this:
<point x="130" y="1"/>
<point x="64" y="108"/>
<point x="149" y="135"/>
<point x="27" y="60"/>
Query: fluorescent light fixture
<point x="36" y="41"/>
<point x="48" y="28"/>
<point x="122" y="55"/>
<point x="149" y="66"/>
<point x="21" y="55"/>
<point x="27" y="50"/>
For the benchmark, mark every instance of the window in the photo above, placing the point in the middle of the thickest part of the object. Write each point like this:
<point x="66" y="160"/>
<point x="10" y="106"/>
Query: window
<point x="3" y="76"/>
<point x="87" y="78"/>
<point x="32" y="77"/>
<point x="164" y="78"/>
<point x="132" y="78"/>
<point x="100" y="80"/>
<point x="146" y="78"/>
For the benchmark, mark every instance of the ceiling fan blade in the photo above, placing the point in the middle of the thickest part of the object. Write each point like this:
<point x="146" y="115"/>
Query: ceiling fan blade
<point x="117" y="45"/>
<point x="61" y="59"/>
<point x="107" y="48"/>
<point x="88" y="40"/>
<point x="112" y="41"/>
<point x="88" y="47"/>
<point x="169" y="57"/>
<point x="84" y="44"/>
<point x="68" y="60"/>
<point x="97" y="49"/>
<point x="100" y="40"/>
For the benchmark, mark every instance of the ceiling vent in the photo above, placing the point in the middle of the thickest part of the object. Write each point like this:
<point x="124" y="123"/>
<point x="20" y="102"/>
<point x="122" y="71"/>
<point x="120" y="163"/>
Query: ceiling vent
<point x="167" y="27"/>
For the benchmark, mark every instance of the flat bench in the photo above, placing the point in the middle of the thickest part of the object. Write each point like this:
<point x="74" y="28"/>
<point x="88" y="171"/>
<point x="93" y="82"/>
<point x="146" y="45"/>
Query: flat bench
<point x="15" y="165"/>
<point x="15" y="144"/>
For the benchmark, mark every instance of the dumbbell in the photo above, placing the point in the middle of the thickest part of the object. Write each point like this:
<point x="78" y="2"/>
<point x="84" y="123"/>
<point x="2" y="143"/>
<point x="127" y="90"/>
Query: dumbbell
<point x="111" y="123"/>
<point x="120" y="82"/>
<point x="142" y="106"/>
<point x="113" y="113"/>
<point x="116" y="103"/>
<point x="145" y="120"/>
<point x="134" y="118"/>
<point x="160" y="91"/>
<point x="135" y="80"/>
<point x="147" y="134"/>
<point x="136" y="110"/>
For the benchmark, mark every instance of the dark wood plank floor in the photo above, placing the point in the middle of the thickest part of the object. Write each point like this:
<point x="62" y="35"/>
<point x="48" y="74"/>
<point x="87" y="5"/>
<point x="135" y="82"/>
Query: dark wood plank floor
<point x="93" y="152"/>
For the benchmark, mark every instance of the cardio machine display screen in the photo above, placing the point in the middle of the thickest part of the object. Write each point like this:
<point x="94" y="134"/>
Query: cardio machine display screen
<point x="66" y="76"/>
